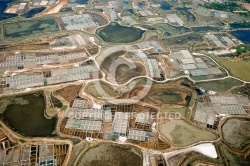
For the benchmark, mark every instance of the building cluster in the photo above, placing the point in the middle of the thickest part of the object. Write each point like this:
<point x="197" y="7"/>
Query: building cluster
<point x="222" y="52"/>
<point x="18" y="8"/>
<point x="31" y="154"/>
<point x="173" y="19"/>
<point x="110" y="9"/>
<point x="121" y="126"/>
<point x="85" y="121"/>
<point x="209" y="1"/>
<point x="43" y="77"/>
<point x="146" y="12"/>
<point x="215" y="1"/>
<point x="128" y="20"/>
<point x="152" y="47"/>
<point x="195" y="66"/>
<point x="37" y="3"/>
<point x="220" y="14"/>
<point x="210" y="108"/>
<point x="120" y="123"/>
<point x="220" y="40"/>
<point x="71" y="41"/>
<point x="31" y="60"/>
<point x="148" y="52"/>
<point x="78" y="22"/>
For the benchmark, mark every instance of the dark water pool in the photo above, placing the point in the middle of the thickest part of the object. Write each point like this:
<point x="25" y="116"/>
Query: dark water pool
<point x="141" y="5"/>
<point x="127" y="12"/>
<point x="240" y="25"/>
<point x="242" y="35"/>
<point x="164" y="4"/>
<point x="3" y="6"/>
<point x="206" y="28"/>
<point x="116" y="33"/>
<point x="29" y="119"/>
<point x="78" y="1"/>
<point x="66" y="9"/>
<point x="190" y="17"/>
<point x="33" y="12"/>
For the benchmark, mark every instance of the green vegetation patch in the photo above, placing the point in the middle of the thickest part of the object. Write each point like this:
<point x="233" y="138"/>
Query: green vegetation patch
<point x="4" y="102"/>
<point x="242" y="48"/>
<point x="219" y="85"/>
<point x="64" y="108"/>
<point x="169" y="30"/>
<point x="51" y="112"/>
<point x="228" y="6"/>
<point x="127" y="12"/>
<point x="236" y="132"/>
<point x="201" y="10"/>
<point x="124" y="73"/>
<point x="56" y="103"/>
<point x="199" y="159"/>
<point x="181" y="133"/>
<point x="99" y="19"/>
<point x="244" y="90"/>
<point x="22" y="140"/>
<point x="238" y="69"/>
<point x="234" y="159"/>
<point x="101" y="89"/>
<point x="77" y="149"/>
<point x="117" y="155"/>
<point x="207" y="28"/>
<point x="30" y="27"/>
<point x="148" y="27"/>
<point x="167" y="97"/>
<point x="184" y="39"/>
<point x="116" y="33"/>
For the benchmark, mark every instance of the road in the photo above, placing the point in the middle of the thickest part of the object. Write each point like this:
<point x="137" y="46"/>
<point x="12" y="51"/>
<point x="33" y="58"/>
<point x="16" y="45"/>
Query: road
<point x="83" y="94"/>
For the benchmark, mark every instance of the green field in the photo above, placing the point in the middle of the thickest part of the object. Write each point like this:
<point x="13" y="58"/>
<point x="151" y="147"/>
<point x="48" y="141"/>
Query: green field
<point x="219" y="85"/>
<point x="167" y="97"/>
<point x="201" y="10"/>
<point x="238" y="69"/>
<point x="181" y="110"/>
<point x="31" y="27"/>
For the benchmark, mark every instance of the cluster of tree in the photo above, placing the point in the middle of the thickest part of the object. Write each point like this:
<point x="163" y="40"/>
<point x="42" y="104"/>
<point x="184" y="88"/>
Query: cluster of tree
<point x="228" y="6"/>
<point x="243" y="48"/>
